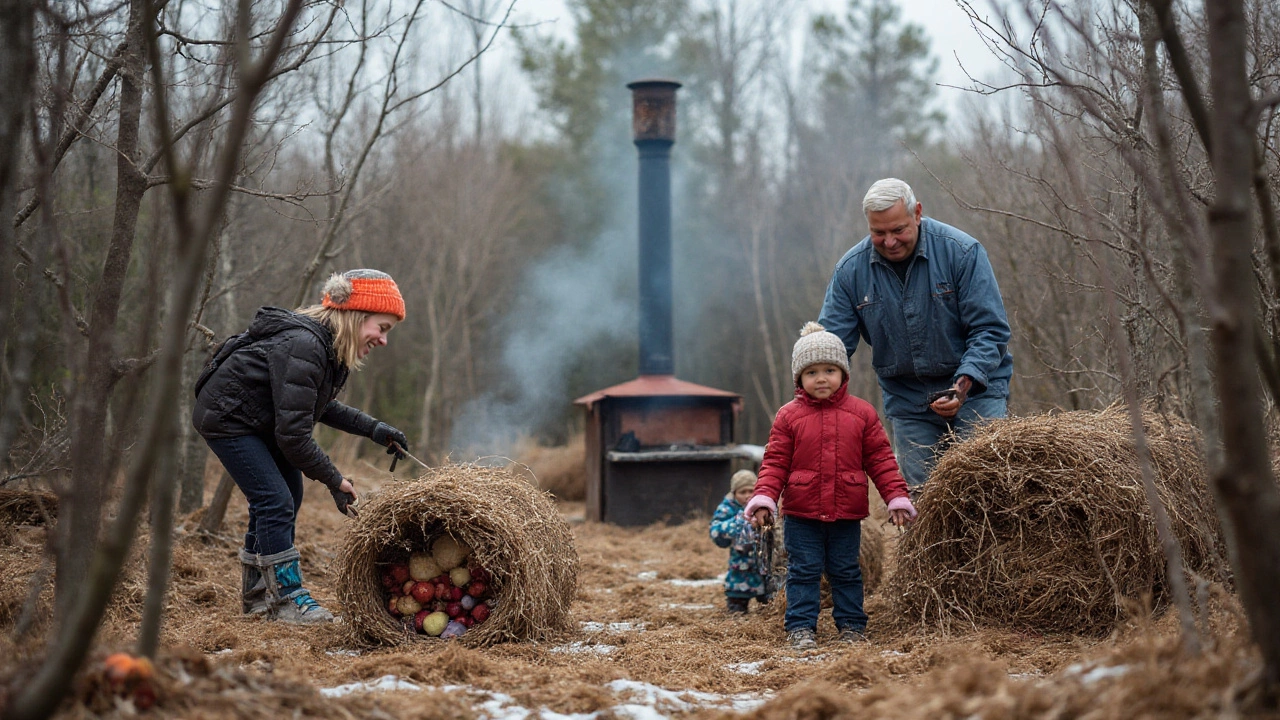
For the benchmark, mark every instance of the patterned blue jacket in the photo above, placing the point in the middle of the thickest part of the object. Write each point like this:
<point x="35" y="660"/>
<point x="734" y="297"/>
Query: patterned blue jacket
<point x="730" y="529"/>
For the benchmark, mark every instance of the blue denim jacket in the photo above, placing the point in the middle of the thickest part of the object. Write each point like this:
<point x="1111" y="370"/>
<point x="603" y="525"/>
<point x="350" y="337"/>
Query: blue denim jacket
<point x="946" y="320"/>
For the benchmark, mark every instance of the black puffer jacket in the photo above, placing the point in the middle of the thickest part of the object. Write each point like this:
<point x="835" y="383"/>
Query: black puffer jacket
<point x="277" y="387"/>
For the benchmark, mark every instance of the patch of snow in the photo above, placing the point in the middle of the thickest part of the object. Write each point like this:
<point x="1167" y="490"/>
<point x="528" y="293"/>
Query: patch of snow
<point x="892" y="653"/>
<point x="642" y="700"/>
<point x="580" y="647"/>
<point x="658" y="698"/>
<point x="688" y="606"/>
<point x="223" y="651"/>
<point x="679" y="582"/>
<point x="613" y="627"/>
<point x="343" y="653"/>
<point x="803" y="658"/>
<point x="648" y="575"/>
<point x="755" y="451"/>
<point x="751" y="668"/>
<point x="386" y="683"/>
<point x="1103" y="673"/>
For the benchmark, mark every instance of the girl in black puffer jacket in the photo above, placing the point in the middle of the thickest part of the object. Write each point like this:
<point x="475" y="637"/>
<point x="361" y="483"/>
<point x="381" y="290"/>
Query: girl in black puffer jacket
<point x="256" y="405"/>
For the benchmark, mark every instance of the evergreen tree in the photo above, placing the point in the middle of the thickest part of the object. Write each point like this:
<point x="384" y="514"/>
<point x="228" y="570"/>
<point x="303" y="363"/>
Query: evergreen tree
<point x="876" y="88"/>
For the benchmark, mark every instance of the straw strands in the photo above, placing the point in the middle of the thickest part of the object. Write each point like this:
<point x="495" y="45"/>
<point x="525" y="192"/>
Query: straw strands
<point x="513" y="529"/>
<point x="1041" y="523"/>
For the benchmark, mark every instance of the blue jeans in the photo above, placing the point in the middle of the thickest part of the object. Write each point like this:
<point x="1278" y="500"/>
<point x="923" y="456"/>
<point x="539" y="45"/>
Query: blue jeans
<point x="815" y="547"/>
<point x="919" y="439"/>
<point x="272" y="486"/>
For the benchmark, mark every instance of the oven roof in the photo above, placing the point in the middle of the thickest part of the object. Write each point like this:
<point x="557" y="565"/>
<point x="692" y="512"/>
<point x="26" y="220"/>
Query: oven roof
<point x="655" y="386"/>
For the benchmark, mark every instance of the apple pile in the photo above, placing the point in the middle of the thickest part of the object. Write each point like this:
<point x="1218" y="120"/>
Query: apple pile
<point x="439" y="591"/>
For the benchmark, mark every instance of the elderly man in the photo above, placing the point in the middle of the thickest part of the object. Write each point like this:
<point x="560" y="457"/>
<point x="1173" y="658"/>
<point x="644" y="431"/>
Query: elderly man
<point x="922" y="294"/>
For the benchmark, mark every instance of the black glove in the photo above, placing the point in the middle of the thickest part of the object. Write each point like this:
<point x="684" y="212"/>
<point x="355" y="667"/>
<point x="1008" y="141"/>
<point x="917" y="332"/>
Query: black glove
<point x="384" y="434"/>
<point x="344" y="501"/>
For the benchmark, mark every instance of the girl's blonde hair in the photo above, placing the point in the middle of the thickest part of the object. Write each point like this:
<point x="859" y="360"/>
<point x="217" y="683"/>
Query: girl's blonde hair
<point x="345" y="325"/>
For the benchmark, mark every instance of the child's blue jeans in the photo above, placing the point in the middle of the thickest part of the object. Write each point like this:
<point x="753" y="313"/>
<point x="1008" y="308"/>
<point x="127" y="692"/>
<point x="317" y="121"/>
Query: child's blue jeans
<point x="813" y="548"/>
<point x="272" y="486"/>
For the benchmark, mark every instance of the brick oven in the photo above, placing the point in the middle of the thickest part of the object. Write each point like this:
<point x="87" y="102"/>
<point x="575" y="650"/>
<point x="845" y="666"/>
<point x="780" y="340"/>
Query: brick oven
<point x="657" y="448"/>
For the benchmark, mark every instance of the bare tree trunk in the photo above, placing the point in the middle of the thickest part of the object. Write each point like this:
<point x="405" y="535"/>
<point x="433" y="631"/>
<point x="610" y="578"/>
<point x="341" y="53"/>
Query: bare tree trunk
<point x="211" y="523"/>
<point x="1244" y="488"/>
<point x="1188" y="253"/>
<point x="17" y="67"/>
<point x="162" y="497"/>
<point x="94" y="373"/>
<point x="40" y="697"/>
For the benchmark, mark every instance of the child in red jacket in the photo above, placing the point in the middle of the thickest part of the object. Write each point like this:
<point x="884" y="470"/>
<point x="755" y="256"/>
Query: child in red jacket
<point x="823" y="447"/>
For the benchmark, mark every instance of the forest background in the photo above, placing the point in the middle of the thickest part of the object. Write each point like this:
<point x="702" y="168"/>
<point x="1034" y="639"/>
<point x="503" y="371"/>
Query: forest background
<point x="170" y="166"/>
<point x="513" y="238"/>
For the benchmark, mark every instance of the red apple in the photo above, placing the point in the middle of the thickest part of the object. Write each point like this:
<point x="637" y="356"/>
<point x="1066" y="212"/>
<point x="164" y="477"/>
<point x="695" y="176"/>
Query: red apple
<point x="389" y="581"/>
<point x="423" y="592"/>
<point x="476" y="588"/>
<point x="453" y="609"/>
<point x="455" y="593"/>
<point x="400" y="572"/>
<point x="480" y="612"/>
<point x="479" y="573"/>
<point x="418" y="617"/>
<point x="442" y="579"/>
<point x="467" y="620"/>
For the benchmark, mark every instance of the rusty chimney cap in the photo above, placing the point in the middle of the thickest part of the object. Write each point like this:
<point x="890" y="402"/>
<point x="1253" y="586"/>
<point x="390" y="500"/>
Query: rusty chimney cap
<point x="653" y="109"/>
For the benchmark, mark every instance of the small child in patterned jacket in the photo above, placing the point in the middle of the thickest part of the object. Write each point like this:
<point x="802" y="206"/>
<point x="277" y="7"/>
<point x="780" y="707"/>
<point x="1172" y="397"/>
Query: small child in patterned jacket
<point x="730" y="529"/>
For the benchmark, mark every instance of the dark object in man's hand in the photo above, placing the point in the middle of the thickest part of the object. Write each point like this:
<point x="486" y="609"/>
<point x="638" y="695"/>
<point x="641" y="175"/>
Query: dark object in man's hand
<point x="346" y="502"/>
<point x="935" y="397"/>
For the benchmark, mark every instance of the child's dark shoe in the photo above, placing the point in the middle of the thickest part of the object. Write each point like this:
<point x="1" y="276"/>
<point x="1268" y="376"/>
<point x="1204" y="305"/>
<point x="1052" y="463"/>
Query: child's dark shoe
<point x="802" y="639"/>
<point x="852" y="635"/>
<point x="736" y="605"/>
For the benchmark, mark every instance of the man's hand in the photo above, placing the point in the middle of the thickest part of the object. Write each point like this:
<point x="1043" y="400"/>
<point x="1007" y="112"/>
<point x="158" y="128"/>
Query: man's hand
<point x="345" y="498"/>
<point x="384" y="435"/>
<point x="948" y="406"/>
<point x="761" y="517"/>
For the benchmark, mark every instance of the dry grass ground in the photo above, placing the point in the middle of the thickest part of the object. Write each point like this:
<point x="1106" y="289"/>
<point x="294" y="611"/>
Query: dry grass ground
<point x="631" y="622"/>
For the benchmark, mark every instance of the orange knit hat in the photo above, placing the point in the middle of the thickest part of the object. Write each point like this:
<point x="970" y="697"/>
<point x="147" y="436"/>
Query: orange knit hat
<point x="368" y="290"/>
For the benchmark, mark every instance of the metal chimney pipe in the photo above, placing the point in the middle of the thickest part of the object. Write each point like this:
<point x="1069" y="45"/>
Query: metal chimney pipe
<point x="653" y="125"/>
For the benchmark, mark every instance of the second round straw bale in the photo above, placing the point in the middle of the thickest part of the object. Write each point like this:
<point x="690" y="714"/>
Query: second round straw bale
<point x="1041" y="523"/>
<point x="512" y="528"/>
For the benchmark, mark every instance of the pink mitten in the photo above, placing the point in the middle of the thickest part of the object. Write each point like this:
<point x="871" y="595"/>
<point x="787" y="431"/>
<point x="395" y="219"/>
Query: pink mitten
<point x="899" y="503"/>
<point x="760" y="501"/>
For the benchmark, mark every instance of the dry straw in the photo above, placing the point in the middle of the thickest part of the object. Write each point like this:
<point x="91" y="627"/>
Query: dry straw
<point x="1041" y="523"/>
<point x="514" y="530"/>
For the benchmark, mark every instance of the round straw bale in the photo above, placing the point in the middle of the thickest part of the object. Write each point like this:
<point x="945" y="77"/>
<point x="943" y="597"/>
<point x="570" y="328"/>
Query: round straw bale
<point x="871" y="555"/>
<point x="514" y="532"/>
<point x="1041" y="523"/>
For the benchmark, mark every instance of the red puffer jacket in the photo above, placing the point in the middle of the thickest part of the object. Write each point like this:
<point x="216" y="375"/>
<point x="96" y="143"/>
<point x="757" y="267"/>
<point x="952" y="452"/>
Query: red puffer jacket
<point x="820" y="453"/>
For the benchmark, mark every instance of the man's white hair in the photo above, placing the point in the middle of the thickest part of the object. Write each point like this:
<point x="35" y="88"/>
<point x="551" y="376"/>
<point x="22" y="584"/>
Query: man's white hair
<point x="884" y="193"/>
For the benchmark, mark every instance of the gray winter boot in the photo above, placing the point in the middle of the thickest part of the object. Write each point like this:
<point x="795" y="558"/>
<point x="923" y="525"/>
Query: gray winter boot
<point x="253" y="586"/>
<point x="289" y="601"/>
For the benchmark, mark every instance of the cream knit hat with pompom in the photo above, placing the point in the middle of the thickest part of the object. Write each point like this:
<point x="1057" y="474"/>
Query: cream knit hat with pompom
<point x="816" y="345"/>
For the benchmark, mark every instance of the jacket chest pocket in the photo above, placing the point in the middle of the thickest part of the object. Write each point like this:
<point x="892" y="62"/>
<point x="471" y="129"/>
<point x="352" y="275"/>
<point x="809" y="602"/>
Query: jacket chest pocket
<point x="802" y="478"/>
<point x="873" y="313"/>
<point x="945" y="300"/>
